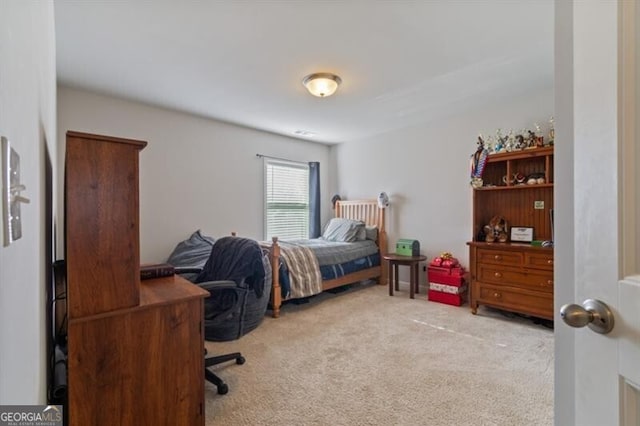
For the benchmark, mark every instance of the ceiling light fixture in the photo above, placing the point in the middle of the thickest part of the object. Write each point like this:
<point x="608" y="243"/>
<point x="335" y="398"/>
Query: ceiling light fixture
<point x="321" y="84"/>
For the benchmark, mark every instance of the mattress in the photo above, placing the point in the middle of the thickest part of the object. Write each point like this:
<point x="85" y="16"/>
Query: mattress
<point x="330" y="272"/>
<point x="335" y="253"/>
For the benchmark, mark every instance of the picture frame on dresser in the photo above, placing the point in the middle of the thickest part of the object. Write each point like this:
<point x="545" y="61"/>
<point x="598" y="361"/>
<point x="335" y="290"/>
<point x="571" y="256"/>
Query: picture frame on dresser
<point x="521" y="234"/>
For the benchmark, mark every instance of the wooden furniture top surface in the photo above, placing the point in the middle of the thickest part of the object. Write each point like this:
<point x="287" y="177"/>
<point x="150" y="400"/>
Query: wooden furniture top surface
<point x="400" y="258"/>
<point x="519" y="155"/>
<point x="157" y="292"/>
<point x="508" y="246"/>
<point x="163" y="290"/>
<point x="80" y="135"/>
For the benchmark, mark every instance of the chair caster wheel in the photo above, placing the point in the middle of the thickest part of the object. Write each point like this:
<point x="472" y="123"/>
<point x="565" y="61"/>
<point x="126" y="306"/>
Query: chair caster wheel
<point x="223" y="389"/>
<point x="240" y="360"/>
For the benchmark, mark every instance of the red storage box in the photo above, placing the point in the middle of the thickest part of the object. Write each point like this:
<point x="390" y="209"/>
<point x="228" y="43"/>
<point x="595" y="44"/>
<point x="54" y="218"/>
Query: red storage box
<point x="449" y="276"/>
<point x="448" y="298"/>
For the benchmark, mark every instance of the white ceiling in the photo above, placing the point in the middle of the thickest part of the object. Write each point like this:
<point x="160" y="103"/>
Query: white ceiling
<point x="401" y="62"/>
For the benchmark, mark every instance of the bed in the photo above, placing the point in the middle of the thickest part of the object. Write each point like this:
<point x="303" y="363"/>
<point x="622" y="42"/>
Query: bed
<point x="328" y="273"/>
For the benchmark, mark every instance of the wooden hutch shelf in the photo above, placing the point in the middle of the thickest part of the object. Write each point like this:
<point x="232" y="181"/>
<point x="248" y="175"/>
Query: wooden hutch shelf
<point x="513" y="187"/>
<point x="515" y="277"/>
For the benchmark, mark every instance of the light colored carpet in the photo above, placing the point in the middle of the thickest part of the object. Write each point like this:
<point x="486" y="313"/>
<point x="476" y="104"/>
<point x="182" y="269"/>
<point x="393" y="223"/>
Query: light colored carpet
<point x="365" y="358"/>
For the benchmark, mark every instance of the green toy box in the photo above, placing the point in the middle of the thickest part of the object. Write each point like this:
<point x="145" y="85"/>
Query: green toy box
<point x="408" y="247"/>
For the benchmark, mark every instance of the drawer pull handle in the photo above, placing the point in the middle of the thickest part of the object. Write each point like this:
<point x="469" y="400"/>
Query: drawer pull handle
<point x="496" y="295"/>
<point x="497" y="275"/>
<point x="550" y="282"/>
<point x="550" y="261"/>
<point x="497" y="257"/>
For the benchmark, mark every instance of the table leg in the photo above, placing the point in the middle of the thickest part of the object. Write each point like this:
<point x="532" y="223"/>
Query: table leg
<point x="390" y="278"/>
<point x="412" y="281"/>
<point x="395" y="276"/>
<point x="417" y="278"/>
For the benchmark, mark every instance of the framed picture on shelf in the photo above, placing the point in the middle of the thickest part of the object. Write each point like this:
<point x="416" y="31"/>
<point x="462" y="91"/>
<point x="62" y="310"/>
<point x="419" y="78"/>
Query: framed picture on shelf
<point x="521" y="234"/>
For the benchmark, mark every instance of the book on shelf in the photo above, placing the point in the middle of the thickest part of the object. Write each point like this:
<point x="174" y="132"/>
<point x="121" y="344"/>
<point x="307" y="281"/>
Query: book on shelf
<point x="156" y="270"/>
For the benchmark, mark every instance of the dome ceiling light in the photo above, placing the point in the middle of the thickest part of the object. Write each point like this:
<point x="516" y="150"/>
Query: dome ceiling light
<point x="321" y="84"/>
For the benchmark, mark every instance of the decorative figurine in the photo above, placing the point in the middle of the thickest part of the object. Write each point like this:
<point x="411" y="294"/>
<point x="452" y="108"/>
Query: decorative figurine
<point x="539" y="138"/>
<point x="489" y="145"/>
<point x="478" y="161"/>
<point x="499" y="146"/>
<point x="531" y="139"/>
<point x="509" y="141"/>
<point x="496" y="230"/>
<point x="552" y="132"/>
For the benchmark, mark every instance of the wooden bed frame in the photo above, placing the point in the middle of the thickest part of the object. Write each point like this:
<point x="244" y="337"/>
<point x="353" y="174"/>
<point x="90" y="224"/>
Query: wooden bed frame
<point x="364" y="210"/>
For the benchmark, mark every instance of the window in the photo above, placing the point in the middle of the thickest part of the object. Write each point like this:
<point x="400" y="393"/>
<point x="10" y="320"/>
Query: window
<point x="286" y="199"/>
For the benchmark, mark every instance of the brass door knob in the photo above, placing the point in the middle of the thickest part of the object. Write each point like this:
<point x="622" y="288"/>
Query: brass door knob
<point x="592" y="313"/>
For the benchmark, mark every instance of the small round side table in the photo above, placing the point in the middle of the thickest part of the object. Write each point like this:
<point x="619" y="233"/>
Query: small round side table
<point x="412" y="262"/>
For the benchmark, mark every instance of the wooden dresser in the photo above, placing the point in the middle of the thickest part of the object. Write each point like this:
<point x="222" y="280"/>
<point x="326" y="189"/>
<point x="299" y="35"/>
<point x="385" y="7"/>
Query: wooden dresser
<point x="135" y="349"/>
<point x="513" y="276"/>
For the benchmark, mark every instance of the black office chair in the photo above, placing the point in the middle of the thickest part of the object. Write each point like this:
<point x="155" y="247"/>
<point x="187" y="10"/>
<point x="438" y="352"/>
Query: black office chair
<point x="237" y="275"/>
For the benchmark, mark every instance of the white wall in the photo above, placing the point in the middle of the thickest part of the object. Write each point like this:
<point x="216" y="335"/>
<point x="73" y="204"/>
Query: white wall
<point x="425" y="171"/>
<point x="201" y="173"/>
<point x="28" y="120"/>
<point x="195" y="173"/>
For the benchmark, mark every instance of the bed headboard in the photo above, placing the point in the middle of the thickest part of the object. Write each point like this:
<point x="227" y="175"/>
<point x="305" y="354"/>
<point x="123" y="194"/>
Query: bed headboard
<point x="364" y="210"/>
<point x="372" y="215"/>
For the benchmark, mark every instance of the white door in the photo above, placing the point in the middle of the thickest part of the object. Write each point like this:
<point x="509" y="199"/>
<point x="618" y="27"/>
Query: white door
<point x="597" y="376"/>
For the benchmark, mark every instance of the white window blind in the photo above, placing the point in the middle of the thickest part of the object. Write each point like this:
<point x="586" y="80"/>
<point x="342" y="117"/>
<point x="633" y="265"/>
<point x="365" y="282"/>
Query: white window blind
<point x="286" y="199"/>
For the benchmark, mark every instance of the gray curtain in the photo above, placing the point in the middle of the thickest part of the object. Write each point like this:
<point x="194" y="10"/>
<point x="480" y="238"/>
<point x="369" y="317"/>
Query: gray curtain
<point x="314" y="200"/>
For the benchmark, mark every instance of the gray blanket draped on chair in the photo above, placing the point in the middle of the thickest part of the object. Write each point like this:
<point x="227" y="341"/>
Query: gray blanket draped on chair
<point x="235" y="259"/>
<point x="232" y="312"/>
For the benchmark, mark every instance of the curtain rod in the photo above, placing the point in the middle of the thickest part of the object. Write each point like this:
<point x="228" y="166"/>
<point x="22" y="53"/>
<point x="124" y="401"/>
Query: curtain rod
<point x="279" y="158"/>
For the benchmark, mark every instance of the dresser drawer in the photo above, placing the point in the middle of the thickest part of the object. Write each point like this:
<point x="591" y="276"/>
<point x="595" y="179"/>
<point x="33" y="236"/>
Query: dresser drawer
<point x="531" y="303"/>
<point x="524" y="278"/>
<point x="539" y="260"/>
<point x="499" y="257"/>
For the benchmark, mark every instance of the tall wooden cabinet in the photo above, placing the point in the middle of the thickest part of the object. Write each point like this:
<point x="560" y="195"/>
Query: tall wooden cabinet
<point x="135" y="349"/>
<point x="512" y="276"/>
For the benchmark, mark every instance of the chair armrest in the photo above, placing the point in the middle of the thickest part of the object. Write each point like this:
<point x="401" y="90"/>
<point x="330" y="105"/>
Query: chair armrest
<point x="217" y="285"/>
<point x="224" y="308"/>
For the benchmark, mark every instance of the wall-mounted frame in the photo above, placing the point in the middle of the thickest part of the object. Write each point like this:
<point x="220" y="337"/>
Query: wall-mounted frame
<point x="521" y="234"/>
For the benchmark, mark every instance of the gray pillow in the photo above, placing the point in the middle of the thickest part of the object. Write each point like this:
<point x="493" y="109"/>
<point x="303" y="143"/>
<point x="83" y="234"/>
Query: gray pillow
<point x="371" y="233"/>
<point x="342" y="230"/>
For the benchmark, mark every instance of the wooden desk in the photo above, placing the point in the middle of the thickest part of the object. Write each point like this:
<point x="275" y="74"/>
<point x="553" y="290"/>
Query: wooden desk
<point x="136" y="349"/>
<point x="412" y="262"/>
<point x="125" y="364"/>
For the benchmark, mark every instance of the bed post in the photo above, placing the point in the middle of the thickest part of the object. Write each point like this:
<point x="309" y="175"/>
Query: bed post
<point x="276" y="294"/>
